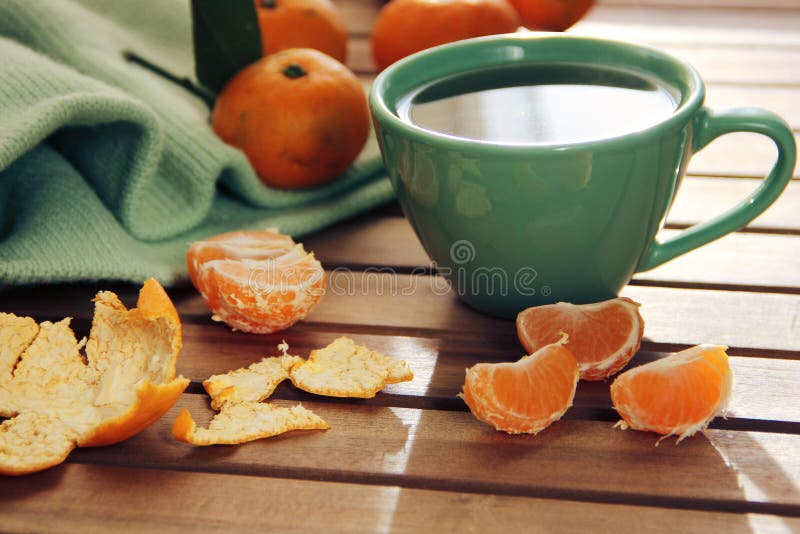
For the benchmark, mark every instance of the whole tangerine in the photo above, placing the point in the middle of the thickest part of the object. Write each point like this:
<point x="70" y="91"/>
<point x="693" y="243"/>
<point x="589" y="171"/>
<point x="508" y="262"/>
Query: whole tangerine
<point x="551" y="15"/>
<point x="404" y="27"/>
<point x="299" y="115"/>
<point x="316" y="24"/>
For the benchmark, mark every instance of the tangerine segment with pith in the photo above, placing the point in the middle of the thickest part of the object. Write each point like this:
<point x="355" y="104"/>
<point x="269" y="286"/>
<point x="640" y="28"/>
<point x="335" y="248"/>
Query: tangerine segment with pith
<point x="525" y="396"/>
<point x="677" y="395"/>
<point x="256" y="281"/>
<point x="603" y="336"/>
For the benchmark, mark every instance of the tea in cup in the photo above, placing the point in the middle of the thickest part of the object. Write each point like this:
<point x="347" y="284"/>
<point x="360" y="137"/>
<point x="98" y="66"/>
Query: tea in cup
<point x="537" y="168"/>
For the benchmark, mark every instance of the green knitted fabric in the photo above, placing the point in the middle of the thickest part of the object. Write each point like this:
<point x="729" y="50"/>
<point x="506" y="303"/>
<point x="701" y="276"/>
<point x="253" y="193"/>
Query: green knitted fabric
<point x="107" y="170"/>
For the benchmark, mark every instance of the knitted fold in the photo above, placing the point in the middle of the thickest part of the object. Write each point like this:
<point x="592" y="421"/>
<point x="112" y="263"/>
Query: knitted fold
<point x="107" y="170"/>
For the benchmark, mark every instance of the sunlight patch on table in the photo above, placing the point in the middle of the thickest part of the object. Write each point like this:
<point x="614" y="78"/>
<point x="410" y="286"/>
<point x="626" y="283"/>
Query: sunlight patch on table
<point x="766" y="468"/>
<point x="420" y="356"/>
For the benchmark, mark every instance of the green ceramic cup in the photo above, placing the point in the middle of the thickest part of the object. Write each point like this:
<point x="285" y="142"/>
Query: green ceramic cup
<point x="512" y="226"/>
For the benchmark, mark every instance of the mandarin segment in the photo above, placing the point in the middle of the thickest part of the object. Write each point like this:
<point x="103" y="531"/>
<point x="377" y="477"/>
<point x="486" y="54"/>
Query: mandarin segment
<point x="58" y="398"/>
<point x="246" y="421"/>
<point x="677" y="395"/>
<point x="344" y="369"/>
<point x="525" y="396"/>
<point x="603" y="336"/>
<point x="256" y="281"/>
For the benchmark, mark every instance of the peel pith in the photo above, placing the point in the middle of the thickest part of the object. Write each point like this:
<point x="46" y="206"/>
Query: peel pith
<point x="344" y="369"/>
<point x="241" y="422"/>
<point x="122" y="382"/>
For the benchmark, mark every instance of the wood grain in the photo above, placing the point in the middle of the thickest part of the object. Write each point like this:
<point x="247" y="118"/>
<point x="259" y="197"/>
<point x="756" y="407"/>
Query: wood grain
<point x="755" y="261"/>
<point x="95" y="498"/>
<point x="703" y="197"/>
<point x="751" y="323"/>
<point x="661" y="20"/>
<point x="764" y="389"/>
<point x="716" y="63"/>
<point x="444" y="450"/>
<point x="413" y="457"/>
<point x="703" y="26"/>
<point x="780" y="100"/>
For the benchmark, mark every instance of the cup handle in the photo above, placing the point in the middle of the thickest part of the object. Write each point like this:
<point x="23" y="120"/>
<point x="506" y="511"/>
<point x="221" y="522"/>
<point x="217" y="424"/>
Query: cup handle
<point x="708" y="125"/>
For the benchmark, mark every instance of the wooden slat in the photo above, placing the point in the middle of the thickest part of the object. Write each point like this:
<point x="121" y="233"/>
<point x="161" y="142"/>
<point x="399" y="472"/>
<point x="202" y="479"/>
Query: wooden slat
<point x="764" y="389"/>
<point x="774" y="28"/>
<point x="764" y="262"/>
<point x="768" y="262"/>
<point x="654" y="21"/>
<point x="93" y="498"/>
<point x="780" y="100"/>
<point x="716" y="63"/>
<point x="738" y="154"/>
<point x="443" y="450"/>
<point x="702" y="15"/>
<point x="700" y="198"/>
<point x="359" y="15"/>
<point x="752" y="323"/>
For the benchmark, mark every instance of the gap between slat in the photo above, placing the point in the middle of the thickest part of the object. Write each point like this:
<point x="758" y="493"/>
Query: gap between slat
<point x="462" y="486"/>
<point x="452" y="404"/>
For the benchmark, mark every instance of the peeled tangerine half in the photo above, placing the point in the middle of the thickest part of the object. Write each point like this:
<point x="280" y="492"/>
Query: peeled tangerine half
<point x="525" y="396"/>
<point x="603" y="336"/>
<point x="677" y="395"/>
<point x="256" y="281"/>
<point x="57" y="398"/>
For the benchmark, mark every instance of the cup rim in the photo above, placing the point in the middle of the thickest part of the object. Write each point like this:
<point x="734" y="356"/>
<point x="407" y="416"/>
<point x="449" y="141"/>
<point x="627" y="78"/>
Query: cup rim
<point x="386" y="117"/>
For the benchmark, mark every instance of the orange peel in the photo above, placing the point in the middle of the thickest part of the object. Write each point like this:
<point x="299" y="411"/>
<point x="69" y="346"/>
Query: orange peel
<point x="246" y="421"/>
<point x="250" y="384"/>
<point x="344" y="369"/>
<point x="58" y="398"/>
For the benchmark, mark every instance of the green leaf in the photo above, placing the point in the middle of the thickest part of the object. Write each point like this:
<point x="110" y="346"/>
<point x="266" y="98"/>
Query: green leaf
<point x="226" y="39"/>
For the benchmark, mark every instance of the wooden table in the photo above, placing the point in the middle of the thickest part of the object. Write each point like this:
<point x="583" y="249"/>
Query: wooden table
<point x="414" y="458"/>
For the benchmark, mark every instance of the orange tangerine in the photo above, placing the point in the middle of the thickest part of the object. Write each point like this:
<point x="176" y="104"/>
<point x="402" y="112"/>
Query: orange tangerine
<point x="551" y="15"/>
<point x="525" y="396"/>
<point x="256" y="281"/>
<point x="299" y="116"/>
<point x="316" y="24"/>
<point x="603" y="336"/>
<point x="407" y="26"/>
<point x="677" y="395"/>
